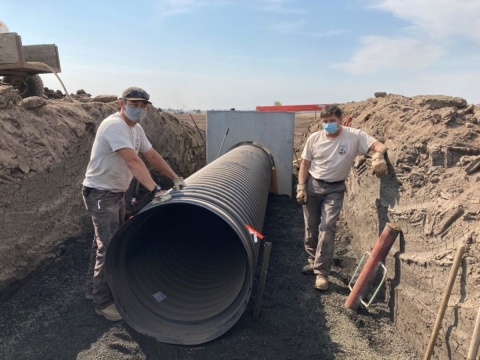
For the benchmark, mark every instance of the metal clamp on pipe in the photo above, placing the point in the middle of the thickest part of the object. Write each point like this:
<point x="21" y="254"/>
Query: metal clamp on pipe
<point x="384" y="276"/>
<point x="369" y="271"/>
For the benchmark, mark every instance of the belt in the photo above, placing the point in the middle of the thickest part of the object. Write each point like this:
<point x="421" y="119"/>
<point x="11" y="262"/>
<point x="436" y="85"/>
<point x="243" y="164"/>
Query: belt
<point x="86" y="190"/>
<point x="329" y="182"/>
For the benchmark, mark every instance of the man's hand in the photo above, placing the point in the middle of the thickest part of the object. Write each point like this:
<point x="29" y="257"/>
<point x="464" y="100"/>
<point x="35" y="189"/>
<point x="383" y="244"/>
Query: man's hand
<point x="179" y="183"/>
<point x="379" y="166"/>
<point x="301" y="194"/>
<point x="161" y="197"/>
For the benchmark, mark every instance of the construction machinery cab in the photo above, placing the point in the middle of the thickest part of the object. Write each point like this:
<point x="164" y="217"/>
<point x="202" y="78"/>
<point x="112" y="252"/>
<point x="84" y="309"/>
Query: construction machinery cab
<point x="21" y="65"/>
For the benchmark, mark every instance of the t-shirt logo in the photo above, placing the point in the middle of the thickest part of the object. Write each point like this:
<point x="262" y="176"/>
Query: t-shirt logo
<point x="137" y="144"/>
<point x="342" y="149"/>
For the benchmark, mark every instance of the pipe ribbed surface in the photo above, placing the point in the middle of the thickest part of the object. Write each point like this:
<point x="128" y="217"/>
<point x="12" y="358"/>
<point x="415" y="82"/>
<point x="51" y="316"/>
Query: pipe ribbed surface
<point x="182" y="271"/>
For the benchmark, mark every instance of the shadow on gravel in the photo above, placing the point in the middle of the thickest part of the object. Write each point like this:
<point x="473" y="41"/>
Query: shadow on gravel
<point x="48" y="317"/>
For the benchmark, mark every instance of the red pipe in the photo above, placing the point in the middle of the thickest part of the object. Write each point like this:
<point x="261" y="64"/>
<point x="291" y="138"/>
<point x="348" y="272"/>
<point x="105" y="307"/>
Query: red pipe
<point x="369" y="271"/>
<point x="314" y="107"/>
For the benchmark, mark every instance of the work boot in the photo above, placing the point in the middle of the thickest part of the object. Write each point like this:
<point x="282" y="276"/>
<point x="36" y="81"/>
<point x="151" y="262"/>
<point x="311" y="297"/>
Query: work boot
<point x="308" y="269"/>
<point x="110" y="313"/>
<point x="321" y="282"/>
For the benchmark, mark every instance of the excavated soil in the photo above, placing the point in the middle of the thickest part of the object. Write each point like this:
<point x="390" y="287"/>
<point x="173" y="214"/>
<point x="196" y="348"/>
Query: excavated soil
<point x="432" y="193"/>
<point x="45" y="147"/>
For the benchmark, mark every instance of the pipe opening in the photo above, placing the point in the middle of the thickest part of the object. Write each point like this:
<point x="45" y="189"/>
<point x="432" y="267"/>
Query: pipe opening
<point x="185" y="253"/>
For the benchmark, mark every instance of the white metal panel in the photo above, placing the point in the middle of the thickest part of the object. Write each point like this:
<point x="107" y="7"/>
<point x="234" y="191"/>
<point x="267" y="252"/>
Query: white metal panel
<point x="275" y="130"/>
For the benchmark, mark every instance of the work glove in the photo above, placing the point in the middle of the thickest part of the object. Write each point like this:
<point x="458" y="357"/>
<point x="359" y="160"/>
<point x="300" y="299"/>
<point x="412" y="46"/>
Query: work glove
<point x="301" y="194"/>
<point x="179" y="183"/>
<point x="379" y="166"/>
<point x="161" y="197"/>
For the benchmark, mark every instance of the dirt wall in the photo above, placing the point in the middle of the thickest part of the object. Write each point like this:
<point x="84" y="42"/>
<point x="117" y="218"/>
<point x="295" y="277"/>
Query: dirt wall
<point x="432" y="192"/>
<point x="44" y="150"/>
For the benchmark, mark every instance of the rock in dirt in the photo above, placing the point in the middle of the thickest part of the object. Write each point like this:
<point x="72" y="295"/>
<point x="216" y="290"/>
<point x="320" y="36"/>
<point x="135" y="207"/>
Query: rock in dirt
<point x="474" y="166"/>
<point x="104" y="98"/>
<point x="380" y="94"/>
<point x="435" y="204"/>
<point x="33" y="102"/>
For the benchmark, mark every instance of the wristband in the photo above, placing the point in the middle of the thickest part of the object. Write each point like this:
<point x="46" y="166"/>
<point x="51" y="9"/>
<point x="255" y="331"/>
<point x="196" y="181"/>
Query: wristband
<point x="156" y="189"/>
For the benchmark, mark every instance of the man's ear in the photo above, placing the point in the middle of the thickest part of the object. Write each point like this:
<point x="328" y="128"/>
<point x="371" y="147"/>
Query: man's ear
<point x="121" y="103"/>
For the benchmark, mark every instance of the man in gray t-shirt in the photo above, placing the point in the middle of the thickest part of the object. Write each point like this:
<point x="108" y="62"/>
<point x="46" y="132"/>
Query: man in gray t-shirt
<point x="327" y="159"/>
<point x="114" y="161"/>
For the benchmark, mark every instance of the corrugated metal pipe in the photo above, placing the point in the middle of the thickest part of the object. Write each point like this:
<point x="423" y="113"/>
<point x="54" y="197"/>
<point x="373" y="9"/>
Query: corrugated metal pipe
<point x="182" y="271"/>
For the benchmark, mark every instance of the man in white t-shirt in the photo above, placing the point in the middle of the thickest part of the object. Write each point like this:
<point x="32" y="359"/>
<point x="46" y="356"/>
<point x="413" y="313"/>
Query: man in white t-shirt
<point x="327" y="159"/>
<point x="114" y="161"/>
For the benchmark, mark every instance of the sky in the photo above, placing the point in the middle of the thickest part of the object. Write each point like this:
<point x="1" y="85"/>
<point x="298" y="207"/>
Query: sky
<point x="219" y="54"/>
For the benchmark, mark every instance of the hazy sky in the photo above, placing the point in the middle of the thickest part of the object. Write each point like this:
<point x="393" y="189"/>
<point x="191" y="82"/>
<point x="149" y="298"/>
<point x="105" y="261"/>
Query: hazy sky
<point x="214" y="54"/>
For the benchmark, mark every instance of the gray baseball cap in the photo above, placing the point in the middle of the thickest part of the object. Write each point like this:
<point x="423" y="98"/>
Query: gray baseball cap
<point x="135" y="93"/>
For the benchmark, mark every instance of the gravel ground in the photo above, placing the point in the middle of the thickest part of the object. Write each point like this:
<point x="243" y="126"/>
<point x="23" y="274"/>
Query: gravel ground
<point x="48" y="317"/>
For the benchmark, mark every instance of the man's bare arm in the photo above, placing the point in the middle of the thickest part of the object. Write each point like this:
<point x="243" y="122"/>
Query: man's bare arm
<point x="303" y="172"/>
<point x="157" y="161"/>
<point x="377" y="146"/>
<point x="137" y="167"/>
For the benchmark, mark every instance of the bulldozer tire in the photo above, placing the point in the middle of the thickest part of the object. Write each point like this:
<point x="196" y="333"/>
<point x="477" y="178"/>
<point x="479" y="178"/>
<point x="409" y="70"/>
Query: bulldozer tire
<point x="26" y="85"/>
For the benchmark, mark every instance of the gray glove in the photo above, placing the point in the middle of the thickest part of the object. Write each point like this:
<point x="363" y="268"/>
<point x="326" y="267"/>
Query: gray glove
<point x="179" y="183"/>
<point x="301" y="194"/>
<point x="379" y="166"/>
<point x="161" y="197"/>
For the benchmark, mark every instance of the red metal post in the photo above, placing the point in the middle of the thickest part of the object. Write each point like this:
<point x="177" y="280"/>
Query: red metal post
<point x="369" y="271"/>
<point x="312" y="107"/>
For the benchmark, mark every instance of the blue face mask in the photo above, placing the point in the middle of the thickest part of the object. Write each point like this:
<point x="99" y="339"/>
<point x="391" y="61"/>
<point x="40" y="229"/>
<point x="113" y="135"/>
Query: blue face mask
<point x="135" y="114"/>
<point x="330" y="128"/>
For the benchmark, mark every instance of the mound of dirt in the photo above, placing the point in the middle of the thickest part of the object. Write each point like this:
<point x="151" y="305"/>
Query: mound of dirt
<point x="44" y="151"/>
<point x="432" y="193"/>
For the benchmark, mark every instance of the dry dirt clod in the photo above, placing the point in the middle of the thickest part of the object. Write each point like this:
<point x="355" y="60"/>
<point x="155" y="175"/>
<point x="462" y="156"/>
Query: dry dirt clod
<point x="33" y="102"/>
<point x="104" y="98"/>
<point x="434" y="102"/>
<point x="8" y="97"/>
<point x="474" y="166"/>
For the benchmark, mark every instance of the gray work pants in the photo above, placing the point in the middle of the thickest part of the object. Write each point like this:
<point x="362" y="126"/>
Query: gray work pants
<point x="107" y="210"/>
<point x="321" y="212"/>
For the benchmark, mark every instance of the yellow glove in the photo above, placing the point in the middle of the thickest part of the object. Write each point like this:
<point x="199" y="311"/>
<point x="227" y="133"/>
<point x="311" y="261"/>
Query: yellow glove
<point x="179" y="183"/>
<point x="379" y="166"/>
<point x="301" y="194"/>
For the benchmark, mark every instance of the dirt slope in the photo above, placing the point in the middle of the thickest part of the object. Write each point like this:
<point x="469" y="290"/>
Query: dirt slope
<point x="44" y="150"/>
<point x="432" y="192"/>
